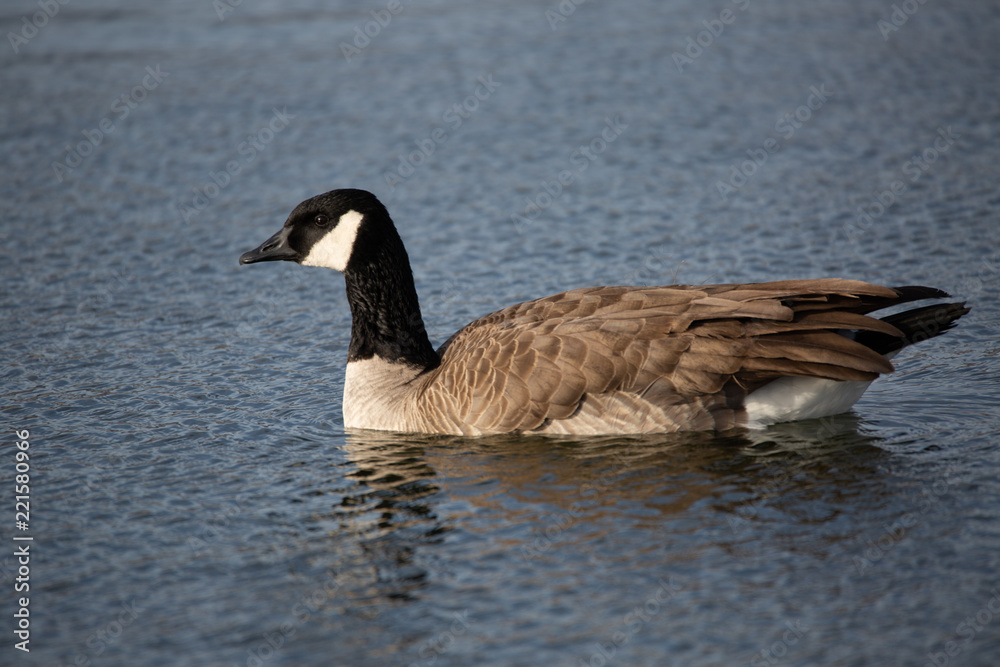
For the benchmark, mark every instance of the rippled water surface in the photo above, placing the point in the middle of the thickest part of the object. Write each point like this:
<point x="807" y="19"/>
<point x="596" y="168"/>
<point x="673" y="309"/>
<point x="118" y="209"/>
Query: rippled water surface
<point x="194" y="496"/>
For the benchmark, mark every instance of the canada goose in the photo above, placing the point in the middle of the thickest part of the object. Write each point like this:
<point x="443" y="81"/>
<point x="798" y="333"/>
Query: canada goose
<point x="598" y="360"/>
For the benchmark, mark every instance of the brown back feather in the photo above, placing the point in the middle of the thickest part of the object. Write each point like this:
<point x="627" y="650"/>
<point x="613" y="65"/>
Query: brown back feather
<point x="702" y="348"/>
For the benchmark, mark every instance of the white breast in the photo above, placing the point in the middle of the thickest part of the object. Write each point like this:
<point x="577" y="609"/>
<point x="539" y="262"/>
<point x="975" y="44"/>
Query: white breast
<point x="377" y="395"/>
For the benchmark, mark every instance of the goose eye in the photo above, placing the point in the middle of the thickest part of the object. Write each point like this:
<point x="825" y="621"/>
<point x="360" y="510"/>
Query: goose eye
<point x="321" y="220"/>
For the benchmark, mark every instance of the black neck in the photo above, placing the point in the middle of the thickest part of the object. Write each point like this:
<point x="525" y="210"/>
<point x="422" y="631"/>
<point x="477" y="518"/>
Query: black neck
<point x="385" y="313"/>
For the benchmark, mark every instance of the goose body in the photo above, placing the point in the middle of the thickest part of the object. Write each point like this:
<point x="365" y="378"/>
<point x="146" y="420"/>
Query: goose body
<point x="598" y="360"/>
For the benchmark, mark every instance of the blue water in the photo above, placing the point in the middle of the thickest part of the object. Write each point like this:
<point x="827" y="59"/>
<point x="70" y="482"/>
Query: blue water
<point x="194" y="497"/>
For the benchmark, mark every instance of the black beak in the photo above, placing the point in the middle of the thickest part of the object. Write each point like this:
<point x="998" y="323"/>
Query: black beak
<point x="271" y="250"/>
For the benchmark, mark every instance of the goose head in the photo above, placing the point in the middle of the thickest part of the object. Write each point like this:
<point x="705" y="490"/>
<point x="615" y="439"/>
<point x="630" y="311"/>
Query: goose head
<point x="350" y="231"/>
<point x="335" y="230"/>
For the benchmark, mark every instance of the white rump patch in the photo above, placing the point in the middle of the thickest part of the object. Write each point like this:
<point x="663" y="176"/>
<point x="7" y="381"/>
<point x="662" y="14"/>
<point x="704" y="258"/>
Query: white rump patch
<point x="333" y="251"/>
<point x="793" y="398"/>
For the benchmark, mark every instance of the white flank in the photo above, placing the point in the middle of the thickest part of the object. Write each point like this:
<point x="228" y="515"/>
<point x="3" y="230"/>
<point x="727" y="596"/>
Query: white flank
<point x="333" y="251"/>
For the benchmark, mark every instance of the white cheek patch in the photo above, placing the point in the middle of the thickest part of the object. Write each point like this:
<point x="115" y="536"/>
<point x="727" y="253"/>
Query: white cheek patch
<point x="333" y="251"/>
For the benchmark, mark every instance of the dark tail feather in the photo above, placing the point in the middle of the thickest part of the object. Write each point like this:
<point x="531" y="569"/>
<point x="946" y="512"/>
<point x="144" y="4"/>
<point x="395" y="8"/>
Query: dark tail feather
<point x="904" y="294"/>
<point x="917" y="292"/>
<point x="917" y="324"/>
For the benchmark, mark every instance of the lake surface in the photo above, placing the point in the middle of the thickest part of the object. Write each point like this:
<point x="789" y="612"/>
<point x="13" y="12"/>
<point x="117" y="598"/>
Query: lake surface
<point x="194" y="496"/>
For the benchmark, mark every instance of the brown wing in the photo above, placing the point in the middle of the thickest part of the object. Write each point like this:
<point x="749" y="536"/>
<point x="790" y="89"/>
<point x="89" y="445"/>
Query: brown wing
<point x="536" y="361"/>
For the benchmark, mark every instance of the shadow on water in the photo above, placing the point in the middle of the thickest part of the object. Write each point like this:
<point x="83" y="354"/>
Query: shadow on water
<point x="542" y="497"/>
